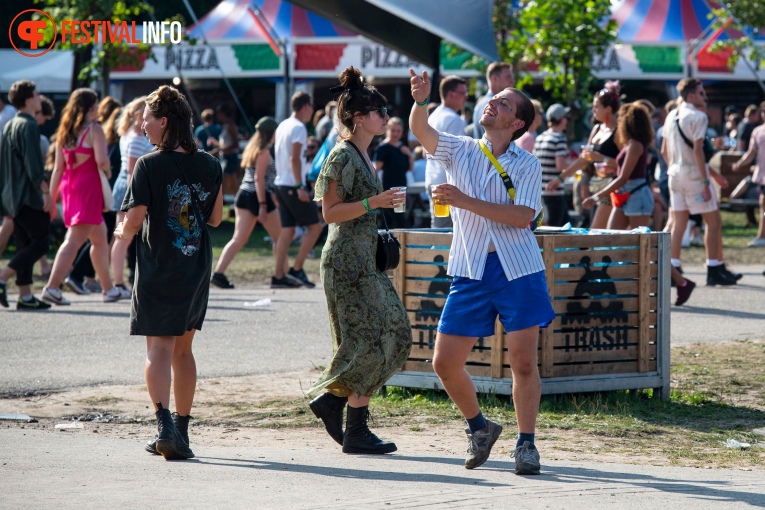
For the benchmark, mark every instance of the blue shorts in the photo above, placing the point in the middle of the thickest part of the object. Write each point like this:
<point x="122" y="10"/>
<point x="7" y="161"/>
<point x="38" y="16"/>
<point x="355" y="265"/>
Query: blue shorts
<point x="472" y="306"/>
<point x="640" y="202"/>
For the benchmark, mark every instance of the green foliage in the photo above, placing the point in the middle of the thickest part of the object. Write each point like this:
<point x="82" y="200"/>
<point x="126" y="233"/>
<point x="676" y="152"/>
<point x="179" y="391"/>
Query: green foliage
<point x="746" y="14"/>
<point x="108" y="55"/>
<point x="563" y="37"/>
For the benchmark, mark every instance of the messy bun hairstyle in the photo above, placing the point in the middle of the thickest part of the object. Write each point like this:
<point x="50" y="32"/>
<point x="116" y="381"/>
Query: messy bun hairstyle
<point x="609" y="96"/>
<point x="355" y="96"/>
<point x="168" y="102"/>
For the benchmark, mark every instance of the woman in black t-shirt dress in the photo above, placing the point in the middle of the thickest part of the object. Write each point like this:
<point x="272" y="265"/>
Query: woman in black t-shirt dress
<point x="174" y="193"/>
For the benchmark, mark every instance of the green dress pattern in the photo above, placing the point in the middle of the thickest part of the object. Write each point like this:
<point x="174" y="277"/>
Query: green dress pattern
<point x="371" y="334"/>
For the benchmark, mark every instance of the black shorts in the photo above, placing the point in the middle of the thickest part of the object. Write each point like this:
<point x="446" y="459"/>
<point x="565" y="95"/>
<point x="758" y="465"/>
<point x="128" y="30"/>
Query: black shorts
<point x="293" y="211"/>
<point x="249" y="200"/>
<point x="230" y="163"/>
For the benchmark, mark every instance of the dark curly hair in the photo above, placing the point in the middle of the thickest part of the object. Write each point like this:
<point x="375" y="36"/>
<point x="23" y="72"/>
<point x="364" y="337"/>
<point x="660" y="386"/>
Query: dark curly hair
<point x="168" y="102"/>
<point x="356" y="96"/>
<point x="634" y="124"/>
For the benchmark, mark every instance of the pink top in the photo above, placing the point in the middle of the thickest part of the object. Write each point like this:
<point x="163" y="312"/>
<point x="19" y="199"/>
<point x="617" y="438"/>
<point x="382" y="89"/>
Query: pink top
<point x="526" y="142"/>
<point x="80" y="187"/>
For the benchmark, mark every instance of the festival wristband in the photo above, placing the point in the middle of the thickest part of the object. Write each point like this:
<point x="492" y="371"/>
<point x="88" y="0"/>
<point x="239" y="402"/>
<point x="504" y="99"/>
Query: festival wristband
<point x="366" y="206"/>
<point x="427" y="100"/>
<point x="705" y="181"/>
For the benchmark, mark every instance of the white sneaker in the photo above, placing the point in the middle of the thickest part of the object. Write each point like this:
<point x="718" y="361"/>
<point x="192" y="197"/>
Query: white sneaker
<point x="55" y="297"/>
<point x="756" y="242"/>
<point x="115" y="294"/>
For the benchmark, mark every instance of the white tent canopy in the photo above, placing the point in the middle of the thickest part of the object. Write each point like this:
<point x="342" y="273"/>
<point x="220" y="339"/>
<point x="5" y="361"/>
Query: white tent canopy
<point x="51" y="72"/>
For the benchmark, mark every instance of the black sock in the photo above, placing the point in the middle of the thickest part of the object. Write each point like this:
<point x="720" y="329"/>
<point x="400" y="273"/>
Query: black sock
<point x="476" y="423"/>
<point x="524" y="437"/>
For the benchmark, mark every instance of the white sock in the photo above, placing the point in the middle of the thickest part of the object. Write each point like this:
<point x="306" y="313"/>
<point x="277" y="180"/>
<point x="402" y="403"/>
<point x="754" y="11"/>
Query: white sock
<point x="675" y="262"/>
<point x="27" y="298"/>
<point x="713" y="262"/>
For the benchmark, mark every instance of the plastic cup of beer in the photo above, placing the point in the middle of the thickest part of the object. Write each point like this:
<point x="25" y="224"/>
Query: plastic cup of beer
<point x="439" y="210"/>
<point x="588" y="147"/>
<point x="600" y="169"/>
<point x="400" y="190"/>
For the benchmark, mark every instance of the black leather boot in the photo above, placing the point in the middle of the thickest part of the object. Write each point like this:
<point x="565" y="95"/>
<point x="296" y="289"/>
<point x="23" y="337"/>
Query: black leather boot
<point x="181" y="423"/>
<point x="715" y="276"/>
<point x="329" y="409"/>
<point x="359" y="439"/>
<point x="169" y="442"/>
<point x="730" y="274"/>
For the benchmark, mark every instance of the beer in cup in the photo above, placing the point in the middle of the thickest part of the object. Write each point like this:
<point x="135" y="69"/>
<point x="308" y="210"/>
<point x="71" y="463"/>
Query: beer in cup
<point x="439" y="210"/>
<point x="399" y="191"/>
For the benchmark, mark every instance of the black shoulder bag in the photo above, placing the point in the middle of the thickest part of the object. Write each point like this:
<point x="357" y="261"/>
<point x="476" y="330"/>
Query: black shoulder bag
<point x="388" y="247"/>
<point x="709" y="149"/>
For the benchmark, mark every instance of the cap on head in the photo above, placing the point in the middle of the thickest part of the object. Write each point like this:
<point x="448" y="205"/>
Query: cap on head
<point x="267" y="123"/>
<point x="556" y="112"/>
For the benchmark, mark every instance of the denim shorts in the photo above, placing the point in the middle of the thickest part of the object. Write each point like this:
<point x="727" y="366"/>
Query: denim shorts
<point x="119" y="190"/>
<point x="640" y="202"/>
<point x="472" y="306"/>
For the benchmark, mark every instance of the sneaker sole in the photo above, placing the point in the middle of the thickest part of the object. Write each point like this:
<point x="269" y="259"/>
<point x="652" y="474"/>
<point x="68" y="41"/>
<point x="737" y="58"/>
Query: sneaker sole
<point x="294" y="279"/>
<point x="169" y="451"/>
<point x="72" y="287"/>
<point x="491" y="445"/>
<point x="527" y="470"/>
<point x="54" y="302"/>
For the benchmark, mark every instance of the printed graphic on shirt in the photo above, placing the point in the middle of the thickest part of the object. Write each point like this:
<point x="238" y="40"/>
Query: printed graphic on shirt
<point x="181" y="217"/>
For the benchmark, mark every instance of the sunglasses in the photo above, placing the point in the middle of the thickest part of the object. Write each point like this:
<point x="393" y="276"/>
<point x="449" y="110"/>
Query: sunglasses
<point x="382" y="110"/>
<point x="312" y="147"/>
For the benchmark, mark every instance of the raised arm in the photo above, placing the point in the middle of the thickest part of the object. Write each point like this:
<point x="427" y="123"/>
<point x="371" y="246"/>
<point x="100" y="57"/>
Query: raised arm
<point x="418" y="119"/>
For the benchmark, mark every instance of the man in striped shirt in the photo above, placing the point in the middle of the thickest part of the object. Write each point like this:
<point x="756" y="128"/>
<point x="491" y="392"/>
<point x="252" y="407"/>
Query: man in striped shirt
<point x="495" y="261"/>
<point x="551" y="147"/>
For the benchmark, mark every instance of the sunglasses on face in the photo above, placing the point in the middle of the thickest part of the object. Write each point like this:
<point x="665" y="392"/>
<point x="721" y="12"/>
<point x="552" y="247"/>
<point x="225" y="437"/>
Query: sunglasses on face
<point x="382" y="110"/>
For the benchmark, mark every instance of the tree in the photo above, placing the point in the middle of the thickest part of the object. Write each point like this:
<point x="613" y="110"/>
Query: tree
<point x="561" y="39"/>
<point x="91" y="65"/>
<point x="747" y="13"/>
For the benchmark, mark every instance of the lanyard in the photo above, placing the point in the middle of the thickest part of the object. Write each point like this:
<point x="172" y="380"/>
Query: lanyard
<point x="505" y="178"/>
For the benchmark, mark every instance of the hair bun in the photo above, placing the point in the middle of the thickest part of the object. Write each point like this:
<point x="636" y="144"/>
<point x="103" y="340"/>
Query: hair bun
<point x="351" y="79"/>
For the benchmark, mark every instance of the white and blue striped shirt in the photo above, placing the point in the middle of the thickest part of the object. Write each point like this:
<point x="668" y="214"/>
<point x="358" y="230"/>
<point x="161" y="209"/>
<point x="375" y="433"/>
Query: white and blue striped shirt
<point x="468" y="168"/>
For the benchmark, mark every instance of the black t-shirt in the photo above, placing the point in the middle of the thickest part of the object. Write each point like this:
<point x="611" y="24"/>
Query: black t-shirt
<point x="745" y="132"/>
<point x="174" y="252"/>
<point x="395" y="165"/>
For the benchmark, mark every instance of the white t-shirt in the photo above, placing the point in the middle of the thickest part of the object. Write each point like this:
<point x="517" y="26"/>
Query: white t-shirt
<point x="289" y="132"/>
<point x="694" y="125"/>
<point x="446" y="120"/>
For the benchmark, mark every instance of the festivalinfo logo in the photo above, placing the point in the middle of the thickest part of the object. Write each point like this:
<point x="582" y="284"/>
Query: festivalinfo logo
<point x="32" y="32"/>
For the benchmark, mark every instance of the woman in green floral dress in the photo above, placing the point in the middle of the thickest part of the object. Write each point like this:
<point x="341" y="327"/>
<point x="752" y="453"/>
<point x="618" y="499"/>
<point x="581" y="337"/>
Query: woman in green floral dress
<point x="371" y="334"/>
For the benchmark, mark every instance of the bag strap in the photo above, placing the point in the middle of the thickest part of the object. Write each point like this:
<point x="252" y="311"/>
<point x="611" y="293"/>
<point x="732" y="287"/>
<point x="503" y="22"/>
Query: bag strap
<point x="505" y="178"/>
<point x="685" y="138"/>
<point x="193" y="193"/>
<point x="358" y="151"/>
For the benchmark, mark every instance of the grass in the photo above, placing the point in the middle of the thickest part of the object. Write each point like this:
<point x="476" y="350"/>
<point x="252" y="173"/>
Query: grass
<point x="716" y="395"/>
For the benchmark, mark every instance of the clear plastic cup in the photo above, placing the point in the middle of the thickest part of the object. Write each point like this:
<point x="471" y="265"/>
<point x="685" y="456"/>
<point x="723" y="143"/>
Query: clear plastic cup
<point x="439" y="210"/>
<point x="588" y="147"/>
<point x="400" y="190"/>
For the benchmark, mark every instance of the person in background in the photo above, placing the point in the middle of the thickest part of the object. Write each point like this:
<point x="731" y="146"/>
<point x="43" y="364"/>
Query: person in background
<point x="551" y="147"/>
<point x="326" y="123"/>
<point x="634" y="134"/>
<point x="605" y="106"/>
<point x="206" y="135"/>
<point x="732" y="119"/>
<point x="133" y="145"/>
<point x="394" y="159"/>
<point x="371" y="333"/>
<point x="254" y="204"/>
<point x="499" y="76"/>
<point x="744" y="130"/>
<point x="295" y="206"/>
<point x="174" y="193"/>
<point x="24" y="194"/>
<point x="82" y="277"/>
<point x="527" y="139"/>
<point x="228" y="145"/>
<point x="80" y="154"/>
<point x="453" y="91"/>
<point x="756" y="150"/>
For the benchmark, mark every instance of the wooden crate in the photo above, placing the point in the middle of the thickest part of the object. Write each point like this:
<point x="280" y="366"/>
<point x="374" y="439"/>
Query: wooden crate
<point x="611" y="299"/>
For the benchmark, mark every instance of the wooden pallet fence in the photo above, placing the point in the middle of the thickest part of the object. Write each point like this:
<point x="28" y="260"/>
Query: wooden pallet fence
<point x="611" y="299"/>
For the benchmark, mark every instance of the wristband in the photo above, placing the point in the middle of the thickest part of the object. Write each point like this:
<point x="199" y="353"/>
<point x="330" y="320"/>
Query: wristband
<point x="705" y="181"/>
<point x="298" y="186"/>
<point x="263" y="203"/>
<point x="595" y="198"/>
<point x="427" y="100"/>
<point x="366" y="206"/>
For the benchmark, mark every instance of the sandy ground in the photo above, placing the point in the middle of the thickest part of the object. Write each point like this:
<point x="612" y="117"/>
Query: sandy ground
<point x="260" y="411"/>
